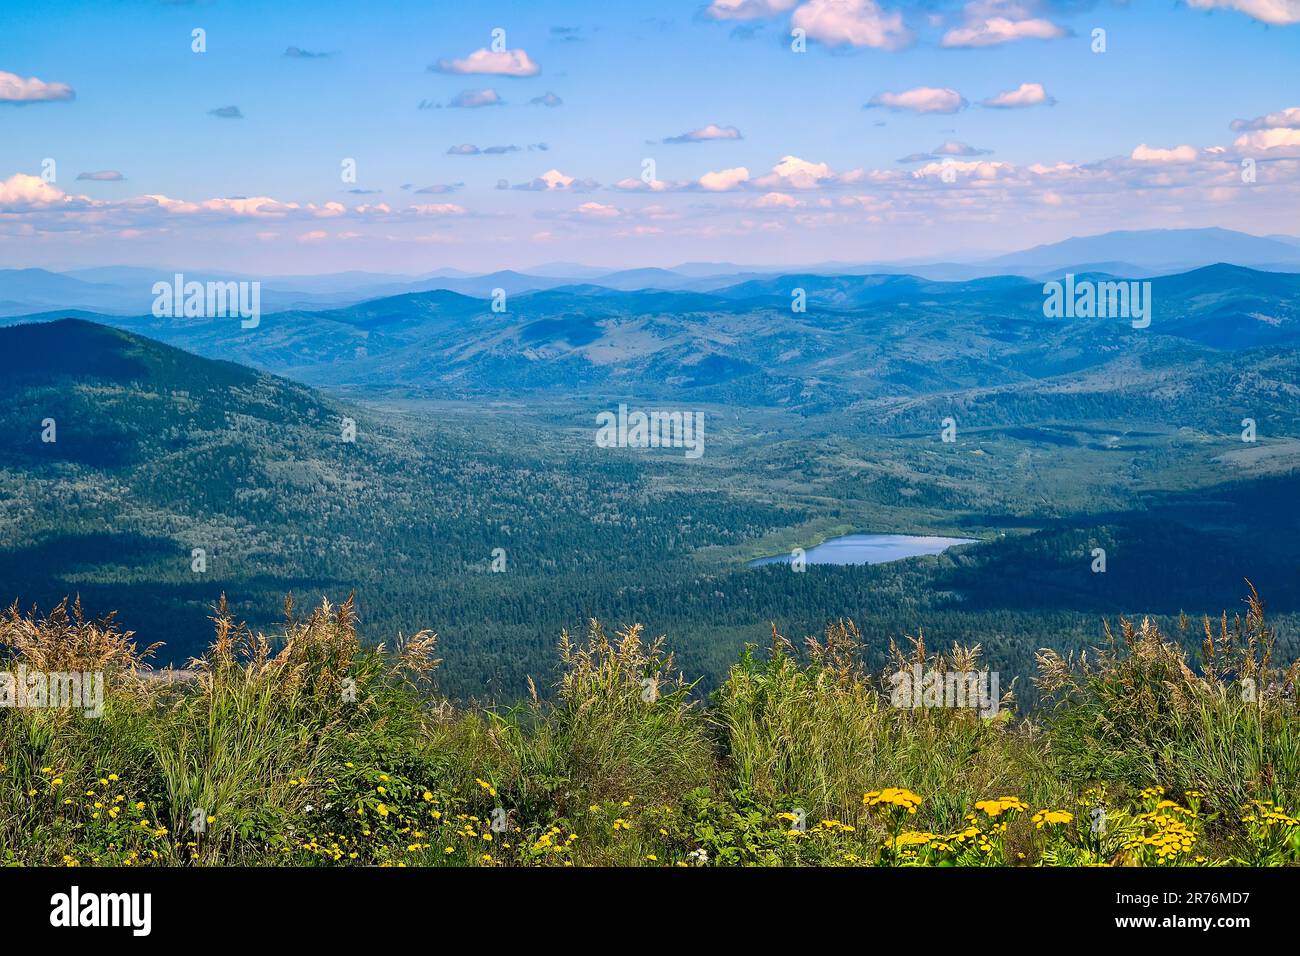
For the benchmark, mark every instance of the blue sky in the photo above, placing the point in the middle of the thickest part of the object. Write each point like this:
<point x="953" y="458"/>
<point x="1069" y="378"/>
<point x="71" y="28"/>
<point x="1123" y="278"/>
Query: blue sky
<point x="791" y="157"/>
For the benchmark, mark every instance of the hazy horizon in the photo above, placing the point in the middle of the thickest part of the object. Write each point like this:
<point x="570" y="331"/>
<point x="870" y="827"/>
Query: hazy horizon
<point x="554" y="266"/>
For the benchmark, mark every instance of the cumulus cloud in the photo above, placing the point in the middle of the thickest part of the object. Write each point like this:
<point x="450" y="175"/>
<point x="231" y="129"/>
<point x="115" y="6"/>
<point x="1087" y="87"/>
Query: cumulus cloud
<point x="494" y="63"/>
<point x="475" y="99"/>
<point x="748" y="9"/>
<point x="20" y="90"/>
<point x="554" y="181"/>
<point x="791" y="173"/>
<point x="922" y="99"/>
<point x="102" y="176"/>
<point x="1265" y="139"/>
<point x="776" y="200"/>
<point x="547" y="99"/>
<point x="31" y="199"/>
<point x="975" y="169"/>
<point x="724" y="179"/>
<point x="1026" y="94"/>
<point x="954" y="148"/>
<point x="1288" y="118"/>
<point x="800" y="193"/>
<point x="706" y="133"/>
<point x="632" y="184"/>
<point x="597" y="210"/>
<point x="22" y="191"/>
<point x="852" y="23"/>
<point x="226" y="112"/>
<point x="298" y="53"/>
<point x="795" y="173"/>
<point x="1279" y="13"/>
<point x="1152" y="154"/>
<point x="439" y="209"/>
<point x="996" y="30"/>
<point x="994" y="22"/>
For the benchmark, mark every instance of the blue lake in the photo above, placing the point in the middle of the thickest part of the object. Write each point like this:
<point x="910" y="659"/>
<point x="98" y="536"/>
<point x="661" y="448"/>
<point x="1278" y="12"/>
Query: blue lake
<point x="869" y="549"/>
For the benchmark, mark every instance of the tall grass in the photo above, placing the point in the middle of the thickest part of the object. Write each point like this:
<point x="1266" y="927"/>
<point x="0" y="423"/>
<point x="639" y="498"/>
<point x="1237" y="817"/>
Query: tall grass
<point x="306" y="746"/>
<point x="1139" y="714"/>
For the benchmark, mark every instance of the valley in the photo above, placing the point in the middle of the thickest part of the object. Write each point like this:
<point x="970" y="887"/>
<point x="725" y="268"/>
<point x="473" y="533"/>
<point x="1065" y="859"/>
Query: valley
<point x="476" y="435"/>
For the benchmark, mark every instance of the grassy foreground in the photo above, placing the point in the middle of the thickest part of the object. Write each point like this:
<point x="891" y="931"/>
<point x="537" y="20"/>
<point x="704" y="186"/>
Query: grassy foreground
<point x="310" y="749"/>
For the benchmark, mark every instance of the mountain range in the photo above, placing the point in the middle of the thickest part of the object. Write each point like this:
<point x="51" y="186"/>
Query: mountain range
<point x="896" y="347"/>
<point x="125" y="290"/>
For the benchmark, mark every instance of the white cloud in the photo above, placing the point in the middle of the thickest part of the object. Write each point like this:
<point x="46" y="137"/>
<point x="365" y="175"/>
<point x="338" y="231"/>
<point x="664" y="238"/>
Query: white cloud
<point x="1057" y="169"/>
<point x="992" y="31"/>
<point x="554" y="181"/>
<point x="503" y="63"/>
<point x="597" y="210"/>
<point x="852" y="22"/>
<point x="657" y="185"/>
<point x="1268" y="139"/>
<point x="20" y="191"/>
<point x="795" y="173"/>
<point x="1026" y="94"/>
<point x="439" y="209"/>
<point x="17" y="89"/>
<point x="748" y="9"/>
<point x="1288" y="118"/>
<point x="975" y="169"/>
<point x="775" y="200"/>
<point x="706" y="133"/>
<point x="953" y="147"/>
<point x="922" y="99"/>
<point x="725" y="179"/>
<point x="1152" y="154"/>
<point x="473" y="99"/>
<point x="1280" y="13"/>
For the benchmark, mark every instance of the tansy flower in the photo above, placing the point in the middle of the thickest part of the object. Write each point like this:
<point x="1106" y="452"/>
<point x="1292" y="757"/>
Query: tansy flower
<point x="995" y="808"/>
<point x="893" y="796"/>
<point x="1044" y="817"/>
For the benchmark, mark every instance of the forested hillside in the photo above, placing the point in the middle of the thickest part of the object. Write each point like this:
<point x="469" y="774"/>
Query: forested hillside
<point x="159" y="453"/>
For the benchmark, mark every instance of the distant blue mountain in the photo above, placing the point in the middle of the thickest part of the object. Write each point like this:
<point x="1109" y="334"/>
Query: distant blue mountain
<point x="1170" y="249"/>
<point x="125" y="290"/>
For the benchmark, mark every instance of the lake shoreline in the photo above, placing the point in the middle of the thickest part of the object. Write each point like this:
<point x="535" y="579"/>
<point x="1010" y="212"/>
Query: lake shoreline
<point x="867" y="548"/>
